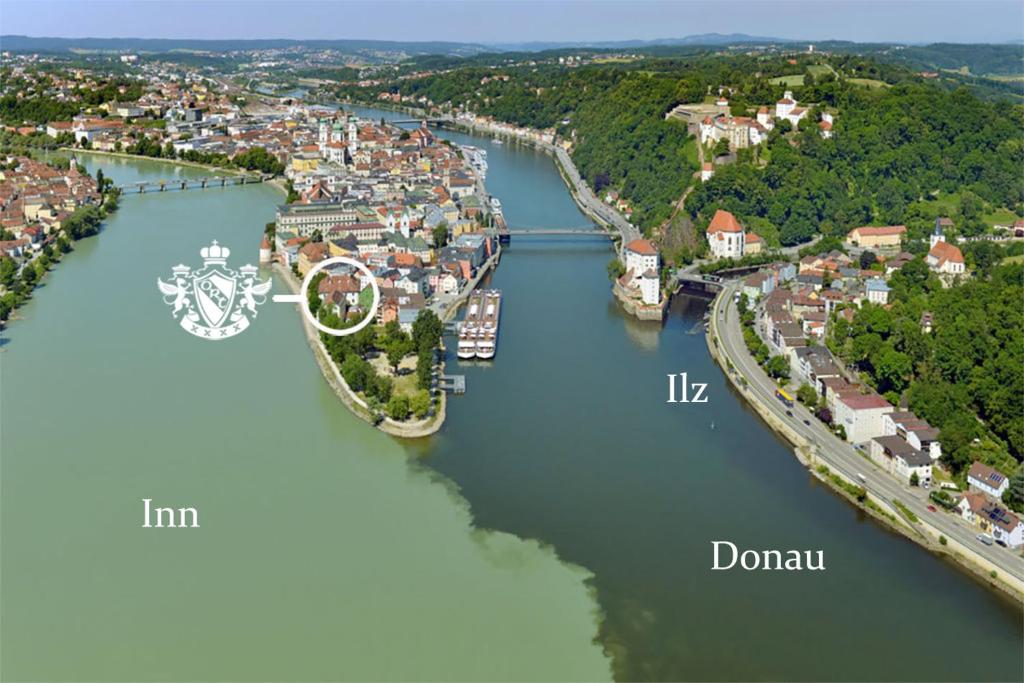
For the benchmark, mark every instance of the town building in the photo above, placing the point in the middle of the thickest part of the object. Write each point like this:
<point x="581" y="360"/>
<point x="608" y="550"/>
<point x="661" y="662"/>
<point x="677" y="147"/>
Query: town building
<point x="861" y="415"/>
<point x="885" y="237"/>
<point x="944" y="258"/>
<point x="725" y="236"/>
<point x="900" y="459"/>
<point x="987" y="479"/>
<point x="642" y="271"/>
<point x="993" y="518"/>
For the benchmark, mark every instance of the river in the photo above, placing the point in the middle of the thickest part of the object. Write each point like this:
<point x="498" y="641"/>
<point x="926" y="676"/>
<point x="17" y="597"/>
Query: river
<point x="567" y="438"/>
<point x="323" y="552"/>
<point x="329" y="551"/>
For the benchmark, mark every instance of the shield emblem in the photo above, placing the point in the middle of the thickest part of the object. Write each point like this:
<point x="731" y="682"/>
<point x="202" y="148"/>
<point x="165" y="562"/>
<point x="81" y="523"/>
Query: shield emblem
<point x="215" y="294"/>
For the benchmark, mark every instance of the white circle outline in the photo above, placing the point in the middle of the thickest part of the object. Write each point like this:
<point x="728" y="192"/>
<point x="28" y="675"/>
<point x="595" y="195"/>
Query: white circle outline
<point x="305" y="296"/>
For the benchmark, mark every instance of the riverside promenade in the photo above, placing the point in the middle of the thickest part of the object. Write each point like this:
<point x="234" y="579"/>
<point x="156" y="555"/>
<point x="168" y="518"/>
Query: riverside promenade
<point x="816" y="445"/>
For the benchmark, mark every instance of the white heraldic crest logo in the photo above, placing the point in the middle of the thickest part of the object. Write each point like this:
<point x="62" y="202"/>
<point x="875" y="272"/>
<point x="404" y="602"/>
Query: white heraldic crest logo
<point x="214" y="302"/>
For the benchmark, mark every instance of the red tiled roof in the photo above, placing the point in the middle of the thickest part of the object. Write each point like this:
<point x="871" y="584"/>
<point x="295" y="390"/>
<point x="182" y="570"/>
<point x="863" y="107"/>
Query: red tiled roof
<point x="880" y="232"/>
<point x="642" y="246"/>
<point x="944" y="251"/>
<point x="724" y="221"/>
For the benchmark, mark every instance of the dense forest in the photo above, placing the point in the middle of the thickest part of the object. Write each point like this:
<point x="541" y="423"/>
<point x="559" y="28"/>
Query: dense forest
<point x="972" y="357"/>
<point x="894" y="150"/>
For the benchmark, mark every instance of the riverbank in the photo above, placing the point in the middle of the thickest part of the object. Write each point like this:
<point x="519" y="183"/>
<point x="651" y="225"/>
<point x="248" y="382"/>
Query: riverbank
<point x="359" y="407"/>
<point x="917" y="530"/>
<point x="161" y="160"/>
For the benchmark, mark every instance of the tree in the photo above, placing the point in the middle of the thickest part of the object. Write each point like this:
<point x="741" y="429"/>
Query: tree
<point x="424" y="369"/>
<point x="363" y="340"/>
<point x="777" y="367"/>
<point x="440" y="234"/>
<point x="1014" y="494"/>
<point x="420" y="404"/>
<point x="807" y="395"/>
<point x="867" y="259"/>
<point x="313" y="293"/>
<point x="396" y="351"/>
<point x="398" y="407"/>
<point x="426" y="330"/>
<point x="914" y="479"/>
<point x="356" y="372"/>
<point x="615" y="269"/>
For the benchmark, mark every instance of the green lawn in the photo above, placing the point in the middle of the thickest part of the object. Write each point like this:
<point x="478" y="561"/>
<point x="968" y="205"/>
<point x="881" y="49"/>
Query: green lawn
<point x="1000" y="216"/>
<point x="869" y="82"/>
<point x="817" y="70"/>
<point x="690" y="150"/>
<point x="795" y="81"/>
<point x="949" y="205"/>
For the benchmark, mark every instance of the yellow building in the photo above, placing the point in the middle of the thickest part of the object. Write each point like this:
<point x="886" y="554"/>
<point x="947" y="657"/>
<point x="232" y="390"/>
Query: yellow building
<point x="886" y="236"/>
<point x="302" y="163"/>
<point x="336" y="250"/>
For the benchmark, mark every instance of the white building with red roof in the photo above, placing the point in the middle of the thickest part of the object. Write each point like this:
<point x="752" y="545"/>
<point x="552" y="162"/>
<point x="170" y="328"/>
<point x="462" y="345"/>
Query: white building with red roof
<point x="944" y="258"/>
<point x="788" y="109"/>
<point x="725" y="236"/>
<point x="642" y="265"/>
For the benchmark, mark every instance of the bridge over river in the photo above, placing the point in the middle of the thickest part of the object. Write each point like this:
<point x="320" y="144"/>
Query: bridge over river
<point x="547" y="232"/>
<point x="193" y="183"/>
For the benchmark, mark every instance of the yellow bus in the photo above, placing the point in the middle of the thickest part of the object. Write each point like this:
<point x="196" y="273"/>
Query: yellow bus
<point x="784" y="397"/>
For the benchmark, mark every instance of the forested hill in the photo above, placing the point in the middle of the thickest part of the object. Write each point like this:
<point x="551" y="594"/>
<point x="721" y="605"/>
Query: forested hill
<point x="900" y="141"/>
<point x="894" y="150"/>
<point x="965" y="378"/>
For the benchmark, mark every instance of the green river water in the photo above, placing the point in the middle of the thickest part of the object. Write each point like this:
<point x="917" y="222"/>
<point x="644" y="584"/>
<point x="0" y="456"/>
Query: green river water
<point x="330" y="551"/>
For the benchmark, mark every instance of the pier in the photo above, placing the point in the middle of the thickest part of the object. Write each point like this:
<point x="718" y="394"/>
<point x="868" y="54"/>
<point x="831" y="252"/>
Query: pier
<point x="453" y="383"/>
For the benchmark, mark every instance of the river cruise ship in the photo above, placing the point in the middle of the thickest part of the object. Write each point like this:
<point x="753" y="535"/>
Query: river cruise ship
<point x="487" y="337"/>
<point x="471" y="324"/>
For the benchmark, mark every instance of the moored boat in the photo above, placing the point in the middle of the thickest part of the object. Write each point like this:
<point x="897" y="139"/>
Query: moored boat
<point x="487" y="338"/>
<point x="470" y="328"/>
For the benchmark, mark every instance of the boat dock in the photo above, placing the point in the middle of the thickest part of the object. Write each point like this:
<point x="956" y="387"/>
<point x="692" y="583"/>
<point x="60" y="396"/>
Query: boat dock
<point x="453" y="383"/>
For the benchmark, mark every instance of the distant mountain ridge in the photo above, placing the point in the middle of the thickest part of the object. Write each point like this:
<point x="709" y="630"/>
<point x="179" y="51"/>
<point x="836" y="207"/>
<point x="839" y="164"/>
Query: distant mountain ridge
<point x="16" y="43"/>
<point x="19" y="43"/>
<point x="699" y="39"/>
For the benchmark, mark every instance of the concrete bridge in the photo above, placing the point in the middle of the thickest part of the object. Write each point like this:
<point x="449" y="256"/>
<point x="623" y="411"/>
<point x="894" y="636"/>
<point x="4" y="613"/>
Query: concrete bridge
<point x="430" y="122"/>
<point x="179" y="185"/>
<point x="546" y="232"/>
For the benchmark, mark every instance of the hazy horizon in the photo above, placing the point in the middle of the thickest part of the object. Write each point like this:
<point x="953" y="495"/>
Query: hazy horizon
<point x="910" y="21"/>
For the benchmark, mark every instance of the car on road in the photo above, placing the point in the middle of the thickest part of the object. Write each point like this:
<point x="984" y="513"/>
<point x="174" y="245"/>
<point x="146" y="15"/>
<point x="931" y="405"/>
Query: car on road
<point x="984" y="538"/>
<point x="861" y="477"/>
<point x="807" y="422"/>
<point x="931" y="508"/>
<point x="1001" y="542"/>
<point x="789" y="413"/>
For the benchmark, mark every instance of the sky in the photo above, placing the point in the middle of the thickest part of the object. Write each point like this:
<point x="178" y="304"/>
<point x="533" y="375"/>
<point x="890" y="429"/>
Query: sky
<point x="495" y="21"/>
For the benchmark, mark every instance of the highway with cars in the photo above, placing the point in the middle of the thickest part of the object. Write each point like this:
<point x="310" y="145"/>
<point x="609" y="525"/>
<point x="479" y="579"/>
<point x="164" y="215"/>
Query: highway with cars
<point x="838" y="455"/>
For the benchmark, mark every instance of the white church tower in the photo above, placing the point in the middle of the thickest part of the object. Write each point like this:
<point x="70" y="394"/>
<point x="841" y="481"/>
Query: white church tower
<point x="353" y="137"/>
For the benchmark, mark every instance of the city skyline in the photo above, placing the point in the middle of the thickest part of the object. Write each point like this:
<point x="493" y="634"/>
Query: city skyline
<point x="497" y="23"/>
